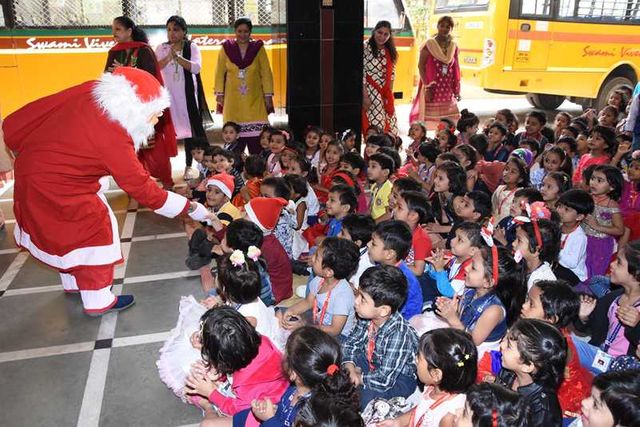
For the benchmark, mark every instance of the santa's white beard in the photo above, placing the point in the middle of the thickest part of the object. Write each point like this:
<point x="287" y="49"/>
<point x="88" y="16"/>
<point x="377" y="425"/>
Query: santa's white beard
<point x="140" y="133"/>
<point x="117" y="98"/>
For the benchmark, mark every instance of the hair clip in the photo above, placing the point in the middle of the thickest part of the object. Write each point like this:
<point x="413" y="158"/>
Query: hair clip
<point x="237" y="258"/>
<point x="535" y="212"/>
<point x="461" y="364"/>
<point x="494" y="418"/>
<point x="254" y="253"/>
<point x="332" y="369"/>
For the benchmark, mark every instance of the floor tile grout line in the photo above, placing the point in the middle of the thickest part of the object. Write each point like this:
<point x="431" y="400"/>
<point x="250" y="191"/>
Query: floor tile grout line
<point x="127" y="281"/>
<point x="12" y="271"/>
<point x="80" y="347"/>
<point x="93" y="395"/>
<point x="57" y="350"/>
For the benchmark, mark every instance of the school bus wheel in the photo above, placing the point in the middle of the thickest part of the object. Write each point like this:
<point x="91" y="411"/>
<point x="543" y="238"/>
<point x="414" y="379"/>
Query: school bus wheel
<point x="608" y="87"/>
<point x="545" y="102"/>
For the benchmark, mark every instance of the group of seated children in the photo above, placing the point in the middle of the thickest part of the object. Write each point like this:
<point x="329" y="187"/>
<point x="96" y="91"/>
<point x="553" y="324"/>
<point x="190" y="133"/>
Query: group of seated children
<point x="485" y="279"/>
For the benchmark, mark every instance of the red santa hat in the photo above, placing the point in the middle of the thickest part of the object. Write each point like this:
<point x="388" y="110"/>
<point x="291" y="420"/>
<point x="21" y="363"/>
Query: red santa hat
<point x="224" y="182"/>
<point x="265" y="211"/>
<point x="130" y="97"/>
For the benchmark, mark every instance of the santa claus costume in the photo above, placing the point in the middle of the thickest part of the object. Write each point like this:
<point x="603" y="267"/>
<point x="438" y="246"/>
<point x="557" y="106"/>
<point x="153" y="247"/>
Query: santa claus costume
<point x="66" y="145"/>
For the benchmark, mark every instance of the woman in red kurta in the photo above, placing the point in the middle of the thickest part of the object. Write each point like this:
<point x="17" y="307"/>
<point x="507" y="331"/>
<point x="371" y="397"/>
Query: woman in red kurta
<point x="132" y="50"/>
<point x="439" y="86"/>
<point x="379" y="61"/>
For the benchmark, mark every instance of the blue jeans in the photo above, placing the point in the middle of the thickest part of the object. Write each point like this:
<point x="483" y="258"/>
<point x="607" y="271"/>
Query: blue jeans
<point x="403" y="387"/>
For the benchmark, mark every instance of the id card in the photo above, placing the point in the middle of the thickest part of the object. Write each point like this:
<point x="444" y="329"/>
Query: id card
<point x="602" y="361"/>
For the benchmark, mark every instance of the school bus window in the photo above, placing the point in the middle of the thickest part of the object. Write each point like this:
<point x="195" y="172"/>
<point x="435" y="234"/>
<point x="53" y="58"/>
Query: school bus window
<point x="381" y="10"/>
<point x="195" y="12"/>
<point x="461" y="5"/>
<point x="2" y="22"/>
<point x="68" y="13"/>
<point x="599" y="10"/>
<point x="535" y="8"/>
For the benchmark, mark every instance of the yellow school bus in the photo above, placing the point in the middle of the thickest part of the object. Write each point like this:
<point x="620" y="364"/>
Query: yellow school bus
<point x="46" y="46"/>
<point x="547" y="49"/>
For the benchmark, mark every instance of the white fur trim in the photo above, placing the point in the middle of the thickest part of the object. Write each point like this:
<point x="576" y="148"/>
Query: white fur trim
<point x="116" y="96"/>
<point x="68" y="282"/>
<point x="92" y="255"/>
<point x="252" y="216"/>
<point x="216" y="183"/>
<point x="98" y="300"/>
<point x="173" y="206"/>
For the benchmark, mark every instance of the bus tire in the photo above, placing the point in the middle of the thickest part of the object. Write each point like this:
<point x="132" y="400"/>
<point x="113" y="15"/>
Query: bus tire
<point x="610" y="84"/>
<point x="545" y="102"/>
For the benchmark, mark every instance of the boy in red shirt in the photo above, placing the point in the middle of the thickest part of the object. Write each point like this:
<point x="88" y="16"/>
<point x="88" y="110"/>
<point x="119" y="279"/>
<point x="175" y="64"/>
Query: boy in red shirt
<point x="413" y="208"/>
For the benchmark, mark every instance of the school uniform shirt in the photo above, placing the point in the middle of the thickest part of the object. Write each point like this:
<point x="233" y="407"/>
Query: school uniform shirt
<point x="226" y="214"/>
<point x="543" y="272"/>
<point x="380" y="198"/>
<point x="341" y="302"/>
<point x="278" y="267"/>
<point x="420" y="246"/>
<point x="413" y="303"/>
<point x="395" y="345"/>
<point x="501" y="202"/>
<point x="573" y="252"/>
<point x="363" y="264"/>
<point x="313" y="205"/>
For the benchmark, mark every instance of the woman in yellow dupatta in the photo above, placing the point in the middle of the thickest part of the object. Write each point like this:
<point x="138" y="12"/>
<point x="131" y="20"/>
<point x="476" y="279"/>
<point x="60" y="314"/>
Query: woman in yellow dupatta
<point x="439" y="88"/>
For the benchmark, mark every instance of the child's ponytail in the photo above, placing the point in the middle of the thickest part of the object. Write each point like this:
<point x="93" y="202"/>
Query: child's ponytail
<point x="337" y="383"/>
<point x="511" y="287"/>
<point x="315" y="358"/>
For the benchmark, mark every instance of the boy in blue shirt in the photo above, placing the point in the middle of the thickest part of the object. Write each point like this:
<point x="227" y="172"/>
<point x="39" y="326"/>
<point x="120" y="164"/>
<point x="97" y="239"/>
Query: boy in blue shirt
<point x="389" y="245"/>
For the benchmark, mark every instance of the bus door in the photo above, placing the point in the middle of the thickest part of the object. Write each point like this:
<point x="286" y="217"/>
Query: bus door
<point x="8" y="62"/>
<point x="529" y="34"/>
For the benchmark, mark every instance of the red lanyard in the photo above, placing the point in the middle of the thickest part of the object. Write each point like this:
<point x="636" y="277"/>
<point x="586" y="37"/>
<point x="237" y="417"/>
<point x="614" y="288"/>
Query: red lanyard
<point x="318" y="321"/>
<point x="566" y="236"/>
<point x="371" y="345"/>
<point x="433" y="406"/>
<point x="505" y="199"/>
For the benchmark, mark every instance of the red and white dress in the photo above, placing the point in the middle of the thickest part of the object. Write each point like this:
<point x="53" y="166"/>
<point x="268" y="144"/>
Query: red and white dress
<point x="66" y="146"/>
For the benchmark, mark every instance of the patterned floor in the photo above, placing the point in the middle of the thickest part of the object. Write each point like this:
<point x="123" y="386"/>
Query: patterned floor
<point x="59" y="367"/>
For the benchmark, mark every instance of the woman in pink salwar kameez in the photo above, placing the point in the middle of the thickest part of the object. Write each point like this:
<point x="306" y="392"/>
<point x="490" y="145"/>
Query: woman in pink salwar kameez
<point x="439" y="88"/>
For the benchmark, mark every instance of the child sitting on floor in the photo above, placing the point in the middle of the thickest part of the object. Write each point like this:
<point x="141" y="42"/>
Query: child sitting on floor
<point x="572" y="208"/>
<point x="380" y="351"/>
<point x="313" y="364"/>
<point x="495" y="292"/>
<point x="492" y="405"/>
<point x="534" y="355"/>
<point x="414" y="209"/>
<point x="358" y="229"/>
<point x="537" y="243"/>
<point x="202" y="239"/>
<point x="265" y="212"/>
<point x="232" y="349"/>
<point x="330" y="297"/>
<point x="447" y="364"/>
<point x="389" y="245"/>
<point x="254" y="167"/>
<point x="505" y="232"/>
<point x="381" y="167"/>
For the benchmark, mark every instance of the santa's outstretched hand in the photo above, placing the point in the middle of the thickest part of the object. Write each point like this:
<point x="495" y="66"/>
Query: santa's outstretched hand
<point x="198" y="212"/>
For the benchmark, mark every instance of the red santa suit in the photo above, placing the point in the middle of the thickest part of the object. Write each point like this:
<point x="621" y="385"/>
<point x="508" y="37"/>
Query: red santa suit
<point x="66" y="146"/>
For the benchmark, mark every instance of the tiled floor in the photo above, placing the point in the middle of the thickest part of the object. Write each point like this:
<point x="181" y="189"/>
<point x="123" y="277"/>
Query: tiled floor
<point x="59" y="367"/>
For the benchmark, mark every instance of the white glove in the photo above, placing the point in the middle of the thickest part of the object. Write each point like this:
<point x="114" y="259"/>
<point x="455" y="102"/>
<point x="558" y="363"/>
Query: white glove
<point x="200" y="213"/>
